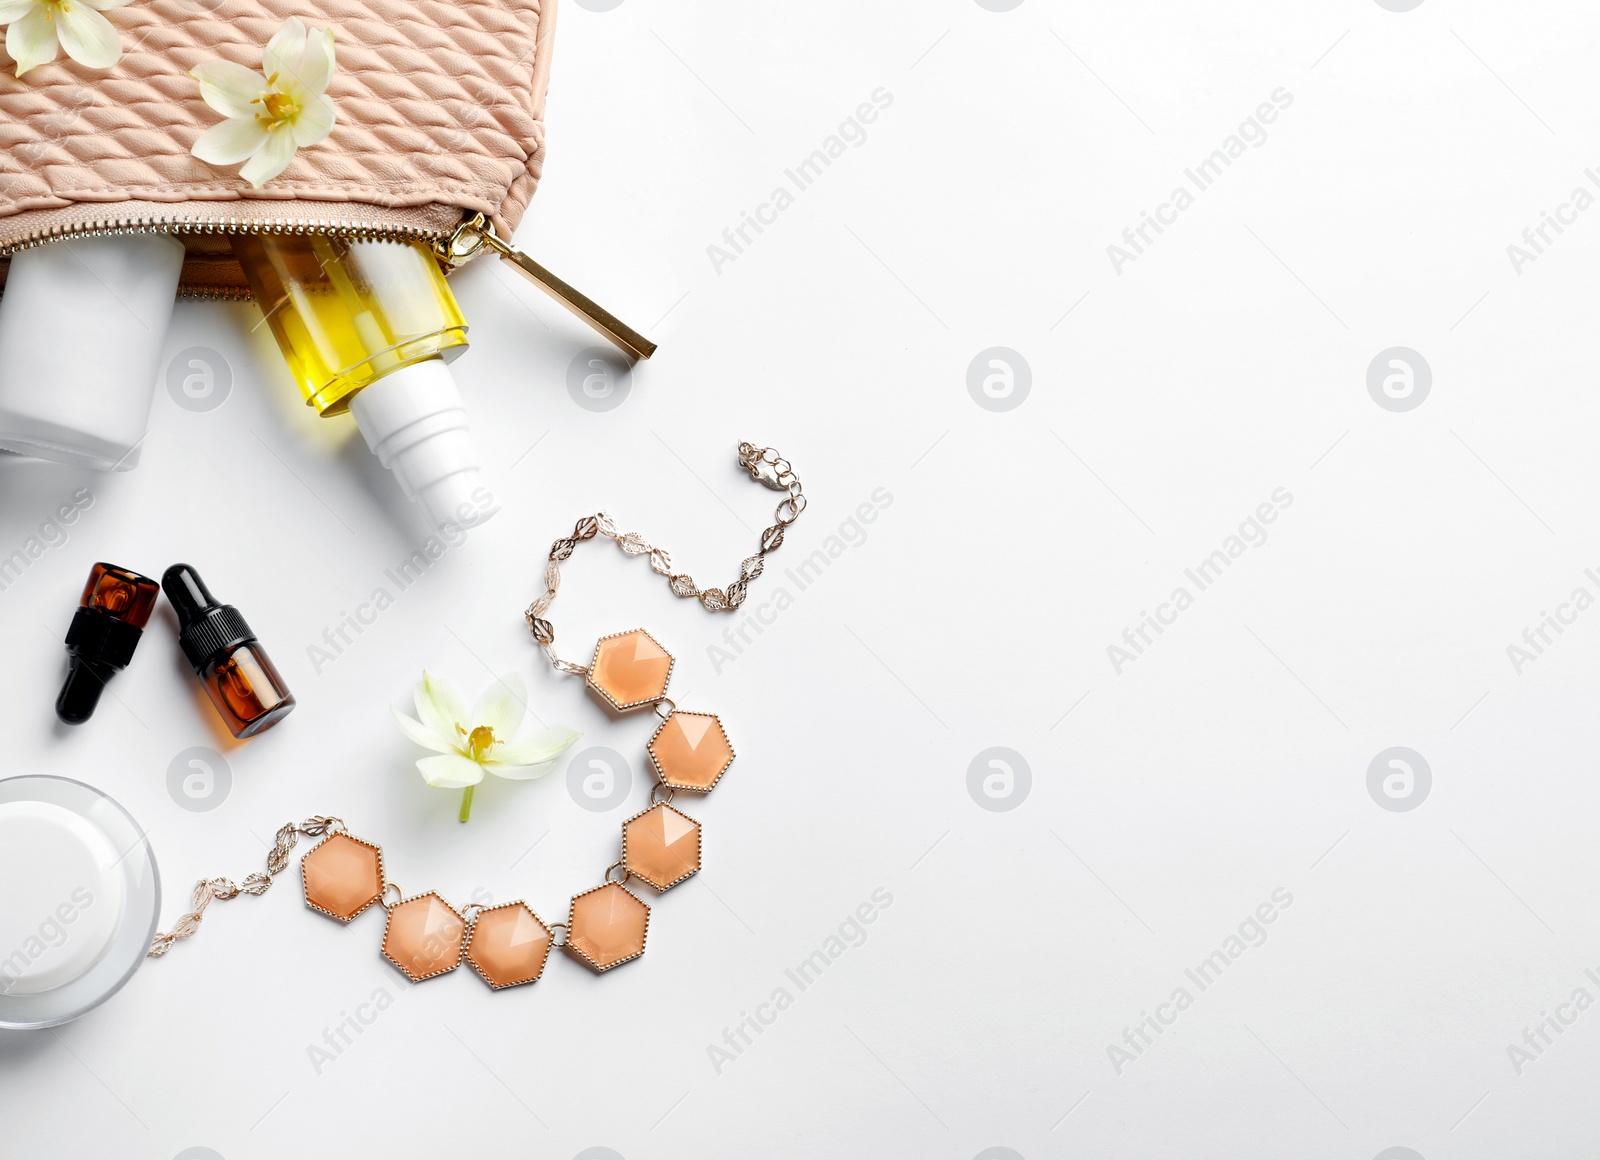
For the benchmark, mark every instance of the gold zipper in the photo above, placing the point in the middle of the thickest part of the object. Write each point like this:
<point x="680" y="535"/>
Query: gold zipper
<point x="476" y="234"/>
<point x="453" y="248"/>
<point x="211" y="225"/>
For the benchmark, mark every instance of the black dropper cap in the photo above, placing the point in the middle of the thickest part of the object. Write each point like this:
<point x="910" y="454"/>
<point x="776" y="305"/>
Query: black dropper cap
<point x="206" y="628"/>
<point x="111" y="616"/>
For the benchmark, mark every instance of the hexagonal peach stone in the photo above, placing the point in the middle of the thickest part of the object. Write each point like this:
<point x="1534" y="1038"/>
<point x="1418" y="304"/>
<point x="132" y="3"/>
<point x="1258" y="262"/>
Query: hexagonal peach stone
<point x="691" y="751"/>
<point x="630" y="669"/>
<point x="606" y="926"/>
<point x="423" y="937"/>
<point x="661" y="846"/>
<point x="342" y="875"/>
<point x="509" y="945"/>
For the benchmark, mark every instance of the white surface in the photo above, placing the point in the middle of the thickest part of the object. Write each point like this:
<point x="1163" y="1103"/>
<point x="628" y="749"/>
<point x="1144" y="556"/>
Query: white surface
<point x="81" y="343"/>
<point x="1007" y="551"/>
<point x="62" y="899"/>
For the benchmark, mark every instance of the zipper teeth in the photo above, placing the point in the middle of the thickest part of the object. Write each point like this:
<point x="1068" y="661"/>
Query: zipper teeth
<point x="369" y="231"/>
<point x="214" y="294"/>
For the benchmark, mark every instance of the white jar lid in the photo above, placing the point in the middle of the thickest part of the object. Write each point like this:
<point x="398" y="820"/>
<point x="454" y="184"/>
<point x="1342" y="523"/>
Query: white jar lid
<point x="61" y="900"/>
<point x="79" y="899"/>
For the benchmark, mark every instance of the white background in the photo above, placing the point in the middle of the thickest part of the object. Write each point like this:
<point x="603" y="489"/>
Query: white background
<point x="1167" y="802"/>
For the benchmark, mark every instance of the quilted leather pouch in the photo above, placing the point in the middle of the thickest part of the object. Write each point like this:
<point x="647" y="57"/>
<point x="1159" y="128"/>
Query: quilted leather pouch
<point x="439" y="136"/>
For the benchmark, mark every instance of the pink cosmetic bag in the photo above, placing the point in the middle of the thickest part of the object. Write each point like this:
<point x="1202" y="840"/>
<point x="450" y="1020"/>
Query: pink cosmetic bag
<point x="440" y="109"/>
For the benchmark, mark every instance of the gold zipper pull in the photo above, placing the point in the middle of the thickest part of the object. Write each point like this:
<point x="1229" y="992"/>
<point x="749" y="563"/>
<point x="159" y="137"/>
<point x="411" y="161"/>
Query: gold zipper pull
<point x="476" y="233"/>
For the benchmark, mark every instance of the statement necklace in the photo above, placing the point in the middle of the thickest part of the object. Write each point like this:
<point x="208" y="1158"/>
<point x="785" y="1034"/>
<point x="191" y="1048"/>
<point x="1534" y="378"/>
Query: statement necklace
<point x="424" y="935"/>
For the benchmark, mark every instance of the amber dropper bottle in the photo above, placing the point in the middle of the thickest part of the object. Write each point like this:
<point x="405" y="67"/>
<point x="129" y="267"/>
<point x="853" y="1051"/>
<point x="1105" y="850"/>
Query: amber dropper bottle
<point x="238" y="676"/>
<point x="115" y="607"/>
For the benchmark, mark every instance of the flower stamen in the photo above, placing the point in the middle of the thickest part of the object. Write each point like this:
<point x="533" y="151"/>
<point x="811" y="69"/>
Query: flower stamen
<point x="279" y="108"/>
<point x="480" y="741"/>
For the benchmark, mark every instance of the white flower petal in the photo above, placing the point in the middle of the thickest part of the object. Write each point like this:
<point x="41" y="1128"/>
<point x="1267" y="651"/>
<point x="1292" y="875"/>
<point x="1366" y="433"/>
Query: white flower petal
<point x="284" y="50"/>
<point x="315" y="69"/>
<point x="421" y="734"/>
<point x="518" y="772"/>
<point x="543" y="745"/>
<point x="230" y="89"/>
<point x="314" y="123"/>
<point x="502" y="705"/>
<point x="450" y="771"/>
<point x="440" y="706"/>
<point x="87" y="36"/>
<point x="104" y="5"/>
<point x="230" y="142"/>
<point x="31" y="41"/>
<point x="15" y="9"/>
<point x="272" y="159"/>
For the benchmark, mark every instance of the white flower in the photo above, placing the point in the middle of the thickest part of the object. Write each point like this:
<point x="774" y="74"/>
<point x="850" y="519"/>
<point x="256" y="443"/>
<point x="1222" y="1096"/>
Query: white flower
<point x="270" y="113"/>
<point x="38" y="27"/>
<point x="468" y="747"/>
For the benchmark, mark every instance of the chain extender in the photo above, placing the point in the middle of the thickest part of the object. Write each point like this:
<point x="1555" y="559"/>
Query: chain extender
<point x="209" y="890"/>
<point x="764" y="465"/>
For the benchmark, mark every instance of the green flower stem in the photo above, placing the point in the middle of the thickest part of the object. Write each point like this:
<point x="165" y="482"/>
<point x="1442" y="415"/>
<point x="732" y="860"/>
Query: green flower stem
<point x="466" y="802"/>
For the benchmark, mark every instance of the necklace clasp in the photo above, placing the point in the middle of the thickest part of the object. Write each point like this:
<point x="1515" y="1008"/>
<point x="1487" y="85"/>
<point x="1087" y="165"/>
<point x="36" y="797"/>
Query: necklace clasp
<point x="765" y="466"/>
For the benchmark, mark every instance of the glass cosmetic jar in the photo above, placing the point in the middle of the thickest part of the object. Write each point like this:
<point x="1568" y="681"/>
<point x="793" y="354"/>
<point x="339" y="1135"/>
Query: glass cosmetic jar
<point x="79" y="899"/>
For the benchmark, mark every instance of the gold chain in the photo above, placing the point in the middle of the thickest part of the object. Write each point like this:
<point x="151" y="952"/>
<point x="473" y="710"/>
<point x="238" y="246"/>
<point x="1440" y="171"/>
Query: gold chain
<point x="765" y="466"/>
<point x="209" y="890"/>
